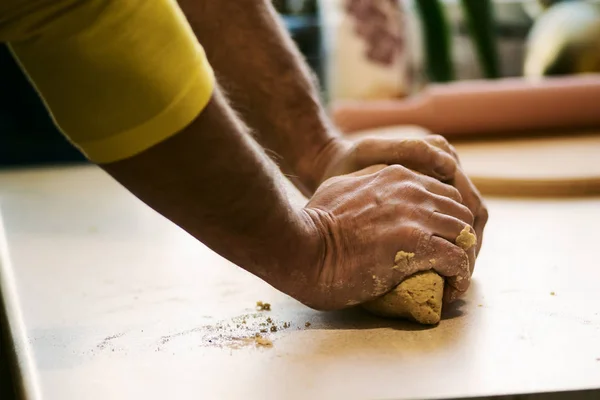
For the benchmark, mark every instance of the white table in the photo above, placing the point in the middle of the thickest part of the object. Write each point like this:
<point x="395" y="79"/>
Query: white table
<point x="118" y="303"/>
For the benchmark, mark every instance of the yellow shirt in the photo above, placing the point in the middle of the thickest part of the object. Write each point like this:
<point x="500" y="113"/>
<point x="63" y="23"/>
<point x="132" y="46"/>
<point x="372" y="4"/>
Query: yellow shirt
<point x="118" y="76"/>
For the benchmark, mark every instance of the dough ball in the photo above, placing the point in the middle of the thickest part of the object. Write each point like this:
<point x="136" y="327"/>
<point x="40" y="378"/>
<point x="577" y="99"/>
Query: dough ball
<point x="418" y="297"/>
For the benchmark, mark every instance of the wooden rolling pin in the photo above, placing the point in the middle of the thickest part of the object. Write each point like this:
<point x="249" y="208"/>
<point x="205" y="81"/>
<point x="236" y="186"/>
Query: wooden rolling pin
<point x="475" y="107"/>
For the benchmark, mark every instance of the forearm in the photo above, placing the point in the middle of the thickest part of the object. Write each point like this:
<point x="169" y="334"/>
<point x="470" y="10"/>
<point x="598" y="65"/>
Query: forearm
<point x="266" y="80"/>
<point x="214" y="182"/>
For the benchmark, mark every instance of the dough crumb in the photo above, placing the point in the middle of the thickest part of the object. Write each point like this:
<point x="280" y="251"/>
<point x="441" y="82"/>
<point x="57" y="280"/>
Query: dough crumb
<point x="307" y="324"/>
<point x="466" y="239"/>
<point x="273" y="328"/>
<point x="262" y="341"/>
<point x="260" y="306"/>
<point x="402" y="260"/>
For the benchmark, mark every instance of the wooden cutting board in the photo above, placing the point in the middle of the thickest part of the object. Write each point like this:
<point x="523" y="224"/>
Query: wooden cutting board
<point x="543" y="165"/>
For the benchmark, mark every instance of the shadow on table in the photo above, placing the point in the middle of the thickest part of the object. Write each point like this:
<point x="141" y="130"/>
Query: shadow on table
<point x="357" y="318"/>
<point x="354" y="331"/>
<point x="575" y="395"/>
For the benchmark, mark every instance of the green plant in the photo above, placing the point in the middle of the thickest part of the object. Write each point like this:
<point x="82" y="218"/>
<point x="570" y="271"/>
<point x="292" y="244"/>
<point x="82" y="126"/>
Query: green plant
<point x="437" y="40"/>
<point x="438" y="47"/>
<point x="480" y="19"/>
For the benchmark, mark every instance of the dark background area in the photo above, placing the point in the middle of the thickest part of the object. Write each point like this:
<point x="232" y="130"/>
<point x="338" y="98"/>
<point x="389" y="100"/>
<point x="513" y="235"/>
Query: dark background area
<point x="27" y="133"/>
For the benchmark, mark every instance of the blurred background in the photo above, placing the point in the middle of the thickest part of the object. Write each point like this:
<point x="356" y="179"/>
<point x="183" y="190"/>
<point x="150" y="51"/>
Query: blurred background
<point x="346" y="45"/>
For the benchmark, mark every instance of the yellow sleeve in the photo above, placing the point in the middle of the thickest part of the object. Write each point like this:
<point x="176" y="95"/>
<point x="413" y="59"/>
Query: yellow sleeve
<point x="118" y="76"/>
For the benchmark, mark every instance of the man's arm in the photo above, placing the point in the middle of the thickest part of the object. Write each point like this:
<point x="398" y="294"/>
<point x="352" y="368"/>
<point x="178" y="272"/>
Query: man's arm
<point x="271" y="86"/>
<point x="266" y="80"/>
<point x="212" y="180"/>
<point x="128" y="82"/>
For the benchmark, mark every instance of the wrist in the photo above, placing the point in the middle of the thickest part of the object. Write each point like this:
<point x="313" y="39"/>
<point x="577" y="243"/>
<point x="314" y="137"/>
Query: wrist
<point x="299" y="268"/>
<point x="317" y="165"/>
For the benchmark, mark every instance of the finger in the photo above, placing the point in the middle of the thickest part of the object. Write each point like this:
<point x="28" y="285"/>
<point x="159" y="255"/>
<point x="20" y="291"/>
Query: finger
<point x="452" y="291"/>
<point x="414" y="154"/>
<point x="448" y="260"/>
<point x="441" y="189"/>
<point x="446" y="206"/>
<point x="470" y="194"/>
<point x="472" y="254"/>
<point x="471" y="250"/>
<point x="363" y="172"/>
<point x="368" y="171"/>
<point x="472" y="199"/>
<point x="450" y="228"/>
<point x="446" y="226"/>
<point x="434" y="253"/>
<point x="441" y="143"/>
<point x="479" y="225"/>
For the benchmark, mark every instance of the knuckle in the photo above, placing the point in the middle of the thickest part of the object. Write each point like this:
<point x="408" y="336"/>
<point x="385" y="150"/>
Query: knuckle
<point x="420" y="146"/>
<point x="454" y="193"/>
<point x="411" y="189"/>
<point x="439" y="141"/>
<point x="379" y="198"/>
<point x="395" y="170"/>
<point x="415" y="145"/>
<point x="460" y="263"/>
<point x="419" y="238"/>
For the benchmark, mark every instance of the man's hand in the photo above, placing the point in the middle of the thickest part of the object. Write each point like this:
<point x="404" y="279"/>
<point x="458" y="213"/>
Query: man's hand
<point x="277" y="99"/>
<point x="421" y="155"/>
<point x="337" y="251"/>
<point x="432" y="156"/>
<point x="363" y="220"/>
<point x="470" y="195"/>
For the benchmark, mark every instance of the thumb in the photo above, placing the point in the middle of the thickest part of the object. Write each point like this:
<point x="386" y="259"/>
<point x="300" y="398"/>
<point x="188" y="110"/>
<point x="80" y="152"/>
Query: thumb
<point x="415" y="154"/>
